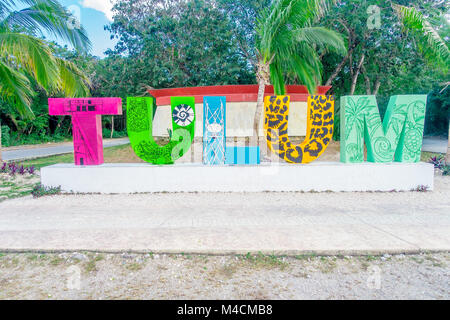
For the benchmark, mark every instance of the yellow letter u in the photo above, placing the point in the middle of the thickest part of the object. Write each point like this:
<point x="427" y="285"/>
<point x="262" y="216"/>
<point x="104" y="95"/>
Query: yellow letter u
<point x="319" y="129"/>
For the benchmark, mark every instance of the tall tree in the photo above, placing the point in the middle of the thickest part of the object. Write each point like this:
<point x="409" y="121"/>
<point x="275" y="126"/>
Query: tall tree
<point x="287" y="45"/>
<point x="380" y="52"/>
<point x="430" y="43"/>
<point x="174" y="43"/>
<point x="25" y="57"/>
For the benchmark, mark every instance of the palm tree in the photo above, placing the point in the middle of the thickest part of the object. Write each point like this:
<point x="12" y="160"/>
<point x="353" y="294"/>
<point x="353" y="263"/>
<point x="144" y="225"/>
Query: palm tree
<point x="287" y="44"/>
<point x="430" y="43"/>
<point x="25" y="57"/>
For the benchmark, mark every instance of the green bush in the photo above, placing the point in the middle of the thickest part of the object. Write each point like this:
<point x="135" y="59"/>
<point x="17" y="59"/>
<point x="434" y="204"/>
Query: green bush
<point x="6" y="138"/>
<point x="116" y="134"/>
<point x="17" y="139"/>
<point x="446" y="170"/>
<point x="41" y="191"/>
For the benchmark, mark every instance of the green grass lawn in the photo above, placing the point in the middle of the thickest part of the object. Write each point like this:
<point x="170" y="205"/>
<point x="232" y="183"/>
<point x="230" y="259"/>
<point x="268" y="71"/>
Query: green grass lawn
<point x="123" y="153"/>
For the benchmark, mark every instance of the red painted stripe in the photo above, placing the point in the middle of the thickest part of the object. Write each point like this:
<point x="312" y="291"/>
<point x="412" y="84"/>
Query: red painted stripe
<point x="234" y="93"/>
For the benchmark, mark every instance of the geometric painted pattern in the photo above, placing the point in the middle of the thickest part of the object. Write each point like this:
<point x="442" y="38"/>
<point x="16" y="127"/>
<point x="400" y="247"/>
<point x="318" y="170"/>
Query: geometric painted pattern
<point x="214" y="127"/>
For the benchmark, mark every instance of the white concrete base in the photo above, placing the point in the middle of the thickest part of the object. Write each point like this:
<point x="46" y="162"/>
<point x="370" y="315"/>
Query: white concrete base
<point x="318" y="176"/>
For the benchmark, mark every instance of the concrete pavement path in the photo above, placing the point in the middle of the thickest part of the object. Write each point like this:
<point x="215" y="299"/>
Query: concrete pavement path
<point x="40" y="151"/>
<point x="435" y="144"/>
<point x="225" y="223"/>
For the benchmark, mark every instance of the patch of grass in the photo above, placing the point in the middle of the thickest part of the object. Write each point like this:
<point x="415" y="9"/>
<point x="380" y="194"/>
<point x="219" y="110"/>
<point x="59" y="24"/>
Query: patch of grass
<point x="33" y="257"/>
<point x="99" y="258"/>
<point x="228" y="270"/>
<point x="417" y="259"/>
<point x="90" y="266"/>
<point x="364" y="265"/>
<point x="134" y="266"/>
<point x="12" y="187"/>
<point x="39" y="191"/>
<point x="117" y="154"/>
<point x="56" y="261"/>
<point x="48" y="161"/>
<point x="327" y="265"/>
<point x="265" y="261"/>
<point x="186" y="256"/>
<point x="435" y="262"/>
<point x="306" y="256"/>
<point x="425" y="156"/>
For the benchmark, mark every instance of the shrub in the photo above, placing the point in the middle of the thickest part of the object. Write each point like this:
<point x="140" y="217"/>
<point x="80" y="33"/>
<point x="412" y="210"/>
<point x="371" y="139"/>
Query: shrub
<point x="437" y="161"/>
<point x="421" y="188"/>
<point x="31" y="170"/>
<point x="13" y="168"/>
<point x="6" y="138"/>
<point x="40" y="191"/>
<point x="117" y="134"/>
<point x="446" y="170"/>
<point x="22" y="170"/>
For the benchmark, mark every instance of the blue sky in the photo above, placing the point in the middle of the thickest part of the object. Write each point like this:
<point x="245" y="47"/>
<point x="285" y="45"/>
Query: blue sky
<point x="94" y="15"/>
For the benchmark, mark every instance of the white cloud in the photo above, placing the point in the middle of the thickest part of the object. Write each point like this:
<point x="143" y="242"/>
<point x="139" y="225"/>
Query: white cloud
<point x="104" y="6"/>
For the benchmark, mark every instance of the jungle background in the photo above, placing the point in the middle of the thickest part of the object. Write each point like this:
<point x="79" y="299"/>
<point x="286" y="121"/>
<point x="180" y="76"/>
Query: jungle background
<point x="178" y="43"/>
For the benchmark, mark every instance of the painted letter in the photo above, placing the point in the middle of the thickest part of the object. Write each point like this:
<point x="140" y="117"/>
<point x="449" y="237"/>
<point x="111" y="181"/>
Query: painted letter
<point x="214" y="130"/>
<point x="140" y="124"/>
<point x="86" y="124"/>
<point x="319" y="128"/>
<point x="399" y="136"/>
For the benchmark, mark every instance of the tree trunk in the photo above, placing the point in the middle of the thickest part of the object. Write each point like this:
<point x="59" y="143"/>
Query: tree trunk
<point x="263" y="77"/>
<point x="367" y="80"/>
<point x="339" y="67"/>
<point x="377" y="86"/>
<point x="356" y="74"/>
<point x="258" y="110"/>
<point x="112" y="126"/>
<point x="447" y="156"/>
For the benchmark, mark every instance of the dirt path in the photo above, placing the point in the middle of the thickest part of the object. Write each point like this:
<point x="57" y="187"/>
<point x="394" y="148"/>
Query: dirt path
<point x="150" y="276"/>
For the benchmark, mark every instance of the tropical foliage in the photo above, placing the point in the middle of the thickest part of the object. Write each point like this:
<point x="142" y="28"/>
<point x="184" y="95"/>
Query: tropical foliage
<point x="175" y="43"/>
<point x="27" y="62"/>
<point x="289" y="45"/>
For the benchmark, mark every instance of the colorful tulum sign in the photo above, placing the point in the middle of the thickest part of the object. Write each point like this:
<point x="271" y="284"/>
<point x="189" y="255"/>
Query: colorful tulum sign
<point x="397" y="138"/>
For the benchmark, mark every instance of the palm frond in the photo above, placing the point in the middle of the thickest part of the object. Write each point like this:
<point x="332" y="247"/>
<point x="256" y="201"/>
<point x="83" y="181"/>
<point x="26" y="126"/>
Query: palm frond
<point x="276" y="77"/>
<point x="285" y="32"/>
<point x="32" y="55"/>
<point x="72" y="81"/>
<point x="51" y="16"/>
<point x="15" y="88"/>
<point x="305" y="73"/>
<point x="434" y="48"/>
<point x="322" y="37"/>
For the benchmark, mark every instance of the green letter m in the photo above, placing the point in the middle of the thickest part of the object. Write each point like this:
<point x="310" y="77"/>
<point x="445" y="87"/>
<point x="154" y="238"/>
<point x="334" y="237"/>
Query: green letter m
<point x="399" y="136"/>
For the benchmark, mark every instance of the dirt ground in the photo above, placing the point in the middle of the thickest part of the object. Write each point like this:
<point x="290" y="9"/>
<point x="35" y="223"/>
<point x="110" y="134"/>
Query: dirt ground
<point x="17" y="186"/>
<point x="151" y="276"/>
